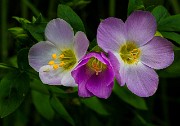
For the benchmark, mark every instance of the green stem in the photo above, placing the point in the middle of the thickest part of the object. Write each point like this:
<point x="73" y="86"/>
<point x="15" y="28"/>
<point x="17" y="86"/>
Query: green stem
<point x="24" y="9"/>
<point x="50" y="8"/>
<point x="165" y="101"/>
<point x="175" y="6"/>
<point x="112" y="7"/>
<point x="4" y="41"/>
<point x="32" y="7"/>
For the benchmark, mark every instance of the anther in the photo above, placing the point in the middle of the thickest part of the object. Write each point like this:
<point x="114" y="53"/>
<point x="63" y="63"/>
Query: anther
<point x="51" y="62"/>
<point x="62" y="64"/>
<point x="55" y="66"/>
<point x="61" y="56"/>
<point x="54" y="56"/>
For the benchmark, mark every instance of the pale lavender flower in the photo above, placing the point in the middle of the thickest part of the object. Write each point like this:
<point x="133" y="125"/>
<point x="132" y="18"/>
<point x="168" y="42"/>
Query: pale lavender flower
<point x="134" y="51"/>
<point x="94" y="76"/>
<point x="55" y="58"/>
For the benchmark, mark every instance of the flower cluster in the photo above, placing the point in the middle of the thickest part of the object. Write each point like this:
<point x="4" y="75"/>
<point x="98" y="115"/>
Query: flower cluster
<point x="132" y="52"/>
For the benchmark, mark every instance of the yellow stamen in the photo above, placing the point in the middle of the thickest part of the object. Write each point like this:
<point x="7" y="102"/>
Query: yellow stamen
<point x="55" y="66"/>
<point x="51" y="62"/>
<point x="61" y="56"/>
<point x="62" y="64"/>
<point x="54" y="56"/>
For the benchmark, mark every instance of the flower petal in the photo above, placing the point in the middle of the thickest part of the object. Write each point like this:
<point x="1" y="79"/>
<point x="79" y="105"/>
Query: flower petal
<point x="158" y="53"/>
<point x="141" y="80"/>
<point x="50" y="76"/>
<point x="81" y="44"/>
<point x="141" y="27"/>
<point x="118" y="69"/>
<point x="81" y="75"/>
<point x="60" y="33"/>
<point x="111" y="34"/>
<point x="68" y="80"/>
<point x="101" y="85"/>
<point x="40" y="54"/>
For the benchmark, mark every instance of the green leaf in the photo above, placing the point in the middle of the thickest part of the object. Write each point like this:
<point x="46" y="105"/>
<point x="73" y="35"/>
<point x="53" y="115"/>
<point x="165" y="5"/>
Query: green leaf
<point x="61" y="110"/>
<point x="6" y="66"/>
<point x="171" y="23"/>
<point x="42" y="104"/>
<point x="66" y="13"/>
<point x="16" y="31"/>
<point x="124" y="94"/>
<point x="160" y="13"/>
<point x="36" y="30"/>
<point x="135" y="5"/>
<point x="22" y="59"/>
<point x="13" y="89"/>
<point x="94" y="104"/>
<point x="22" y="20"/>
<point x="172" y="35"/>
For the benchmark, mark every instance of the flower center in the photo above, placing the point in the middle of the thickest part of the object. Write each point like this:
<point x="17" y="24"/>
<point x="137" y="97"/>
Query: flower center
<point x="130" y="53"/>
<point x="66" y="60"/>
<point x="96" y="65"/>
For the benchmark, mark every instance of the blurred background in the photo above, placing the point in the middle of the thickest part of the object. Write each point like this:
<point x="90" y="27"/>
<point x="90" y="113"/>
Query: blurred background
<point x="163" y="108"/>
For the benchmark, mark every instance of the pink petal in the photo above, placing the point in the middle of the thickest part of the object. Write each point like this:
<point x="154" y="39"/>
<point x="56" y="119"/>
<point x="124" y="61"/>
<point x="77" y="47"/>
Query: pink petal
<point x="119" y="67"/>
<point x="60" y="33"/>
<point x="141" y="27"/>
<point x="68" y="80"/>
<point x="40" y="54"/>
<point x="158" y="53"/>
<point x="50" y="76"/>
<point x="111" y="34"/>
<point x="141" y="80"/>
<point x="81" y="44"/>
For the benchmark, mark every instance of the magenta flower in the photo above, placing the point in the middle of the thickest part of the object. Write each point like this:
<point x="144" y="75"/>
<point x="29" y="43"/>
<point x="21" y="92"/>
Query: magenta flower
<point x="134" y="51"/>
<point x="94" y="76"/>
<point x="55" y="58"/>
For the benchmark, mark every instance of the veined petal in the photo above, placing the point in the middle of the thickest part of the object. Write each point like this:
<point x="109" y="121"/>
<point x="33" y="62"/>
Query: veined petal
<point x="102" y="84"/>
<point x="50" y="76"/>
<point x="111" y="34"/>
<point x="60" y="33"/>
<point x="157" y="53"/>
<point x="119" y="67"/>
<point x="40" y="54"/>
<point x="81" y="44"/>
<point x="81" y="75"/>
<point x="68" y="80"/>
<point x="141" y="80"/>
<point x="141" y="27"/>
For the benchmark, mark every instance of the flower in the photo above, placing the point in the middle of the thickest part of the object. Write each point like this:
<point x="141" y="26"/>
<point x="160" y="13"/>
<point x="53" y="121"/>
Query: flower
<point x="134" y="51"/>
<point x="55" y="58"/>
<point x="94" y="76"/>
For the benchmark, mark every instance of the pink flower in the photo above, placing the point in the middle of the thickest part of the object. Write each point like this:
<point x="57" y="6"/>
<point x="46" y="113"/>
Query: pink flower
<point x="94" y="76"/>
<point x="56" y="57"/>
<point x="134" y="51"/>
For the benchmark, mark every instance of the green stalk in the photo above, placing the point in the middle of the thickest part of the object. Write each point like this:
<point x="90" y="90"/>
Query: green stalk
<point x="4" y="40"/>
<point x="24" y="9"/>
<point x="165" y="101"/>
<point x="31" y="7"/>
<point x="175" y="6"/>
<point x="112" y="7"/>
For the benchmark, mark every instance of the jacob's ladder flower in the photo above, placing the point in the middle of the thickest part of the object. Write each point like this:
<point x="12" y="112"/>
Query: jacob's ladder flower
<point x="134" y="51"/>
<point x="94" y="76"/>
<point x="55" y="58"/>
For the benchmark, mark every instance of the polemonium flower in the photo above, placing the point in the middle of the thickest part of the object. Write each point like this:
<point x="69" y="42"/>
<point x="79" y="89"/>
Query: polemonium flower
<point x="134" y="51"/>
<point x="94" y="76"/>
<point x="55" y="58"/>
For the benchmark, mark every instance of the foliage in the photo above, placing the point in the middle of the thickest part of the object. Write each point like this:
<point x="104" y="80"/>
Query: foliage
<point x="58" y="105"/>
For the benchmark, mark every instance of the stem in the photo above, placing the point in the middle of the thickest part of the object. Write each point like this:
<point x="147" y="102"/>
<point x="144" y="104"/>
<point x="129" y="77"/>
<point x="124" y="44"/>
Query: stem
<point x="175" y="6"/>
<point x="112" y="7"/>
<point x="24" y="9"/>
<point x="32" y="7"/>
<point x="4" y="41"/>
<point x="164" y="101"/>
